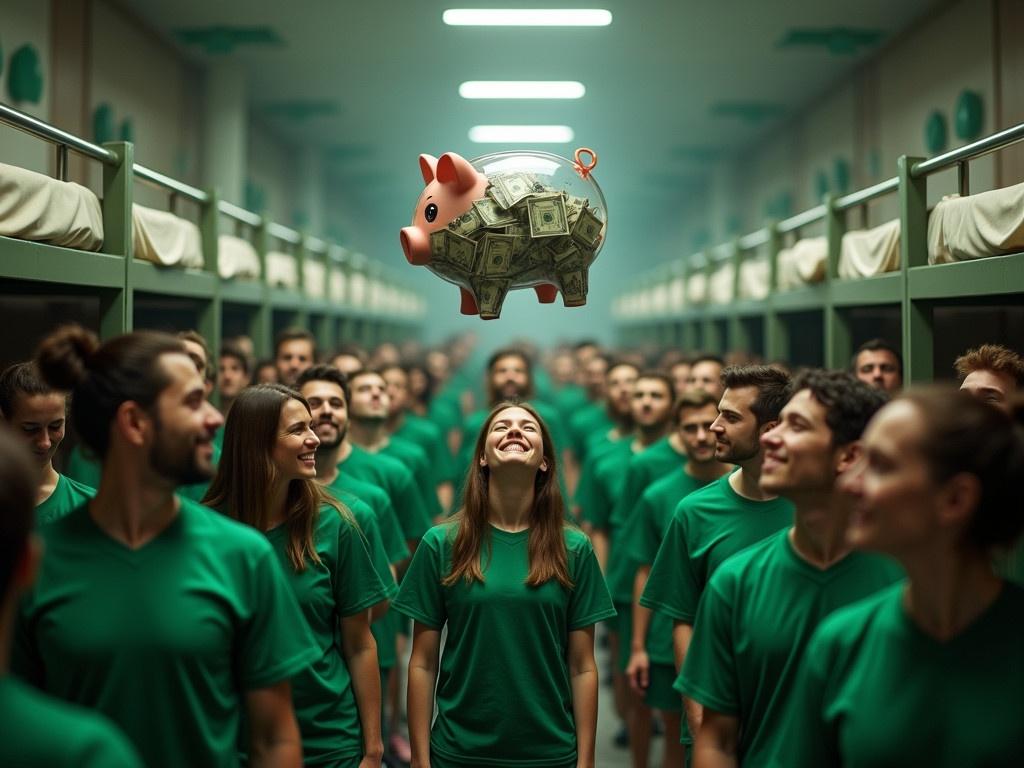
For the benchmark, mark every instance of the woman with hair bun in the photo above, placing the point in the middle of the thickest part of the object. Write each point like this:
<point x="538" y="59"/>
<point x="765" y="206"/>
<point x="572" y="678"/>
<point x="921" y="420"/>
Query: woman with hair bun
<point x="930" y="672"/>
<point x="519" y="590"/>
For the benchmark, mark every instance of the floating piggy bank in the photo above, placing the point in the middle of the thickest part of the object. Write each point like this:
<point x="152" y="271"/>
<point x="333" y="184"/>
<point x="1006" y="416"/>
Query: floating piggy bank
<point x="508" y="220"/>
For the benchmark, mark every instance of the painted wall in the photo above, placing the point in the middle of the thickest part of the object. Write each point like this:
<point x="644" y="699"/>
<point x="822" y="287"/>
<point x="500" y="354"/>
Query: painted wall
<point x="25" y="22"/>
<point x="272" y="169"/>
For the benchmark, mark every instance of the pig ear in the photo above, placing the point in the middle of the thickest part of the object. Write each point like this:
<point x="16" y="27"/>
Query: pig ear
<point x="428" y="167"/>
<point x="455" y="169"/>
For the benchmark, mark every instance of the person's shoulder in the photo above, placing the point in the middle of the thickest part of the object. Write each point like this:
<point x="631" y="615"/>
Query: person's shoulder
<point x="440" y="535"/>
<point x="652" y="454"/>
<point x="846" y="626"/>
<point x="576" y="540"/>
<point x="208" y="527"/>
<point x="79" y="489"/>
<point x="661" y="486"/>
<point x="712" y="493"/>
<point x="750" y="562"/>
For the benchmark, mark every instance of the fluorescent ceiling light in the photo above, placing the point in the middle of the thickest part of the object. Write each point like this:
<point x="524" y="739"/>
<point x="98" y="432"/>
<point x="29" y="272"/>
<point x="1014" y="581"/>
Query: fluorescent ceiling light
<point x="527" y="17"/>
<point x="522" y="89"/>
<point x="531" y="134"/>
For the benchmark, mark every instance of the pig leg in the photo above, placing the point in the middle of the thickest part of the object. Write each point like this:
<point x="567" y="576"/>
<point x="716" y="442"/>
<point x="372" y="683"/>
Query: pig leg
<point x="546" y="294"/>
<point x="469" y="306"/>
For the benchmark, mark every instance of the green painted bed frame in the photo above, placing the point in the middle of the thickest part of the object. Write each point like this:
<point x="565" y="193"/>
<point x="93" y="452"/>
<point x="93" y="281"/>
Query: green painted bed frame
<point x="118" y="279"/>
<point x="916" y="288"/>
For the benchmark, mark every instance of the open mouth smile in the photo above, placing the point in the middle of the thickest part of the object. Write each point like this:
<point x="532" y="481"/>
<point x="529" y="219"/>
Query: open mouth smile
<point x="514" y="446"/>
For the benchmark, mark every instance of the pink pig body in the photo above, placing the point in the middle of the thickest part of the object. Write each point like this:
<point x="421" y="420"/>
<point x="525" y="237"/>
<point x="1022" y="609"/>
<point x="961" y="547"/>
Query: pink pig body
<point x="452" y="184"/>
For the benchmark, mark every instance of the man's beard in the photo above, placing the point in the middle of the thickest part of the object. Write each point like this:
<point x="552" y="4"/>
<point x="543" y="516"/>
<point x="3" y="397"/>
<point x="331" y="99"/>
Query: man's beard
<point x="175" y="460"/>
<point x="340" y="432"/>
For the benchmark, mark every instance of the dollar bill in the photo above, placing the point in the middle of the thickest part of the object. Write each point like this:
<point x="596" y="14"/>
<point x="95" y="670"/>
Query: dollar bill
<point x="491" y="215"/>
<point x="547" y="216"/>
<point x="573" y="206"/>
<point x="490" y="295"/>
<point x="467" y="223"/>
<point x="461" y="251"/>
<point x="587" y="230"/>
<point x="566" y="256"/>
<point x="574" y="287"/>
<point x="439" y="246"/>
<point x="495" y="254"/>
<point x="513" y="187"/>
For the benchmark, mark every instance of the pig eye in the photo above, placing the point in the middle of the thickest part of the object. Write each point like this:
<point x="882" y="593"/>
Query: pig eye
<point x="431" y="212"/>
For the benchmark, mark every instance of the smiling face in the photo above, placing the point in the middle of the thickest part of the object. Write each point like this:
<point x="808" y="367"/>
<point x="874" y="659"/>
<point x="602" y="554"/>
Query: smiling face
<point x="328" y="410"/>
<point x="621" y="381"/>
<point x="695" y="432"/>
<point x="294" y="451"/>
<point x="652" y="403"/>
<point x="514" y="441"/>
<point x="737" y="433"/>
<point x="799" y="456"/>
<point x="40" y="421"/>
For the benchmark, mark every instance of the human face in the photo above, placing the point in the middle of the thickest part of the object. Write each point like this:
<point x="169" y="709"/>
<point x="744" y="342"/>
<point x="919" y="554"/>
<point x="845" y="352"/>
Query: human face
<point x="695" y="432"/>
<point x="418" y="383"/>
<point x="895" y="502"/>
<point x="706" y="375"/>
<point x="294" y="452"/>
<point x="40" y="421"/>
<point x="293" y="357"/>
<point x="680" y="373"/>
<point x="880" y="369"/>
<point x="198" y="355"/>
<point x="652" y="403"/>
<point x="563" y="368"/>
<point x="798" y="453"/>
<point x="514" y="439"/>
<point x="991" y="387"/>
<point x="595" y="374"/>
<point x="510" y="377"/>
<point x="437" y="364"/>
<point x="737" y="435"/>
<point x="398" y="389"/>
<point x="348" y="364"/>
<point x="328" y="410"/>
<point x="185" y="422"/>
<point x="231" y="376"/>
<point x="370" y="399"/>
<point x="621" y="381"/>
<point x="266" y="374"/>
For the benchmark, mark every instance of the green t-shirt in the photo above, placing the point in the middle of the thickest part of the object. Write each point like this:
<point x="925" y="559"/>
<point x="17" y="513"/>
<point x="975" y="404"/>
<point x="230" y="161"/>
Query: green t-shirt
<point x="397" y="481"/>
<point x="589" y="420"/>
<point x="67" y="495"/>
<point x="586" y="487"/>
<point x="639" y="543"/>
<point x="755" y="620"/>
<point x="708" y="526"/>
<point x="345" y="582"/>
<point x="445" y="411"/>
<point x="415" y="458"/>
<point x="83" y="468"/>
<point x="165" y="639"/>
<point x="44" y="732"/>
<point x="607" y="477"/>
<point x="646" y="467"/>
<point x="345" y="486"/>
<point x="434" y="442"/>
<point x="568" y="400"/>
<point x="874" y="690"/>
<point x="503" y="693"/>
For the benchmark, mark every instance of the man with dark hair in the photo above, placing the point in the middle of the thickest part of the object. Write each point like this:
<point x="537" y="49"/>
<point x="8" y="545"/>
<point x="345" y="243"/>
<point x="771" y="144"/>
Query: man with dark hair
<point x="878" y="363"/>
<point x="991" y="373"/>
<point x="39" y="731"/>
<point x="725" y="516"/>
<point x="706" y="373"/>
<point x="233" y="375"/>
<point x="198" y="349"/>
<point x="762" y="605"/>
<point x="294" y="352"/>
<point x="349" y="358"/>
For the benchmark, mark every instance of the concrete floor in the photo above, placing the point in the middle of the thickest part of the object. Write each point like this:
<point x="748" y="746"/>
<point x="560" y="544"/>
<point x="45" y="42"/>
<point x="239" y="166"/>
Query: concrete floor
<point x="607" y="754"/>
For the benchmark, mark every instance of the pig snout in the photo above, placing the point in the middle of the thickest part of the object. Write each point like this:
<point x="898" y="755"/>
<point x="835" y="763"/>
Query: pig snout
<point x="416" y="244"/>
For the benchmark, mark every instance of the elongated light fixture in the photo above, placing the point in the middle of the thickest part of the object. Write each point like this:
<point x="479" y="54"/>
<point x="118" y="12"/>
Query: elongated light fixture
<point x="527" y="17"/>
<point x="522" y="89"/>
<point x="529" y="134"/>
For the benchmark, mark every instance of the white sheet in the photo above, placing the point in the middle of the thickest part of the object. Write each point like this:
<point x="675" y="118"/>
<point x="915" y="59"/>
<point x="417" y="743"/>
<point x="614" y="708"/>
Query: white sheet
<point x="236" y="258"/>
<point x="869" y="252"/>
<point x="314" y="278"/>
<point x="755" y="274"/>
<point x="282" y="270"/>
<point x="985" y="224"/>
<point x="803" y="263"/>
<point x="697" y="288"/>
<point x="721" y="282"/>
<point x="165" y="239"/>
<point x="35" y="207"/>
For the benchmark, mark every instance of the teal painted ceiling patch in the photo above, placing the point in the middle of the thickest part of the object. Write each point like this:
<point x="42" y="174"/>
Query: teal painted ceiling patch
<point x="838" y="41"/>
<point x="698" y="153"/>
<point x="299" y="109"/>
<point x="748" y="111"/>
<point x="220" y="40"/>
<point x="342" y="153"/>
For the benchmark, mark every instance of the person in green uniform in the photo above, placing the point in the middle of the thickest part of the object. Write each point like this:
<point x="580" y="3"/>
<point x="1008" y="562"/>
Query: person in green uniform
<point x="167" y="617"/>
<point x="38" y="414"/>
<point x="651" y="669"/>
<point x="267" y="479"/>
<point x="519" y="590"/>
<point x="31" y="720"/>
<point x="762" y="605"/>
<point x="294" y="352"/>
<point x="725" y="516"/>
<point x="927" y="673"/>
<point x="592" y="416"/>
<point x="706" y="373"/>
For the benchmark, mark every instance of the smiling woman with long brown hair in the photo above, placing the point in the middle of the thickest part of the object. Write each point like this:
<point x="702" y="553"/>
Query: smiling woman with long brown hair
<point x="519" y="590"/>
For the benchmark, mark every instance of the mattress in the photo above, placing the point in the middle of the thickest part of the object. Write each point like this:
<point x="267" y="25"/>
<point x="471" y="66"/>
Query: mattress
<point x="721" y="284"/>
<point x="282" y="270"/>
<point x="314" y="278"/>
<point x="754" y="278"/>
<point x="677" y="294"/>
<point x="697" y="288"/>
<point x="35" y="207"/>
<point x="803" y="263"/>
<point x="165" y="239"/>
<point x="977" y="226"/>
<point x="236" y="258"/>
<point x="869" y="252"/>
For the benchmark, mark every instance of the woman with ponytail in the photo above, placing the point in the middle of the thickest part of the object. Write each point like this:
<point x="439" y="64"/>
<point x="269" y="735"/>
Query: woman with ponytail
<point x="930" y="672"/>
<point x="267" y="479"/>
<point x="519" y="590"/>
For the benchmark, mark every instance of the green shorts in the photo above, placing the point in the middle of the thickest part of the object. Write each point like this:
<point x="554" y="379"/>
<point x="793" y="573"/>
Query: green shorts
<point x="660" y="694"/>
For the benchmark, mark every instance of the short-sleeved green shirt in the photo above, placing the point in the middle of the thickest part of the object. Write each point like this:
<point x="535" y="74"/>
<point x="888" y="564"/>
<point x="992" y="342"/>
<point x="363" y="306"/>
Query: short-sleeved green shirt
<point x="875" y="690"/>
<point x="345" y="487"/>
<point x="41" y="731"/>
<point x="175" y="632"/>
<point x="754" y="622"/>
<point x="638" y="545"/>
<point x="388" y="473"/>
<point x="708" y="526"/>
<point x="503" y="694"/>
<point x="434" y="443"/>
<point x="646" y="467"/>
<point x="424" y="474"/>
<point x="82" y="468"/>
<point x="67" y="495"/>
<point x="588" y="420"/>
<point x="601" y="480"/>
<point x="345" y="582"/>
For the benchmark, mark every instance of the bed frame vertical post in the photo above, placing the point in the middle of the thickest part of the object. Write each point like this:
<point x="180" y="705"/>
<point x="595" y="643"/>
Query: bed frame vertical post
<point x="917" y="315"/>
<point x="738" y="337"/>
<point x="262" y="320"/>
<point x="838" y="339"/>
<point x="776" y="335"/>
<point x="210" y="312"/>
<point x="117" y="306"/>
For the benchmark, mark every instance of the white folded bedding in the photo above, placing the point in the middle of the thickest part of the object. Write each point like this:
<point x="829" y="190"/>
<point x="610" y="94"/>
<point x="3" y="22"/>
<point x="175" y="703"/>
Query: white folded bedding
<point x="34" y="206"/>
<point x="803" y="263"/>
<point x="237" y="258"/>
<point x="754" y="278"/>
<point x="869" y="252"/>
<point x="282" y="270"/>
<point x="973" y="227"/>
<point x="165" y="239"/>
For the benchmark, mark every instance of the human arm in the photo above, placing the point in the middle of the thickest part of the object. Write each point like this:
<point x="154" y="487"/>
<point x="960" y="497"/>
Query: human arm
<point x="682" y="633"/>
<point x="423" y="663"/>
<point x="583" y="680"/>
<point x="274" y="740"/>
<point x="639" y="667"/>
<point x="360" y="652"/>
<point x="600" y="542"/>
<point x="716" y="744"/>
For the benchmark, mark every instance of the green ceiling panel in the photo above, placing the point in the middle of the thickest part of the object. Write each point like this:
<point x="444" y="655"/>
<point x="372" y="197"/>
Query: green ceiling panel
<point x="748" y="111"/>
<point x="838" y="41"/>
<point x="220" y="39"/>
<point x="299" y="110"/>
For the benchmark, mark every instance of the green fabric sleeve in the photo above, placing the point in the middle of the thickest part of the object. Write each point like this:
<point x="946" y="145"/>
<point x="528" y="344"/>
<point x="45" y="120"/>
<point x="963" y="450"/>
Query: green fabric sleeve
<point x="590" y="601"/>
<point x="709" y="672"/>
<point x="421" y="596"/>
<point x="357" y="585"/>
<point x="672" y="586"/>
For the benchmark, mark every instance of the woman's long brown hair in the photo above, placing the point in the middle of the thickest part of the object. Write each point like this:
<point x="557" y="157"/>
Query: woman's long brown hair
<point x="241" y="487"/>
<point x="548" y="557"/>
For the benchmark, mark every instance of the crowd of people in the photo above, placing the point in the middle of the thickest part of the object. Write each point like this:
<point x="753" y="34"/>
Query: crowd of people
<point x="381" y="556"/>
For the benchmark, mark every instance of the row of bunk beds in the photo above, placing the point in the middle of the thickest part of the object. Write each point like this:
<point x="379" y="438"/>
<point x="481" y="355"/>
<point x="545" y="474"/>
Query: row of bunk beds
<point x="67" y="253"/>
<point x="928" y="279"/>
